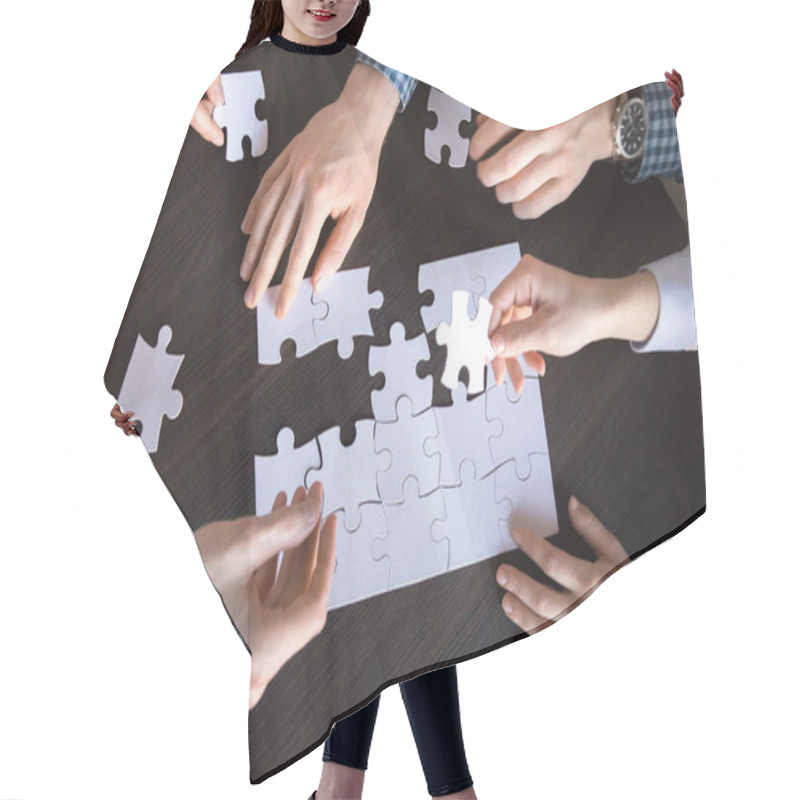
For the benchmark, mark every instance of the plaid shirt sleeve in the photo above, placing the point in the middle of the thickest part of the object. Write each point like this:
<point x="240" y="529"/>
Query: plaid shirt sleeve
<point x="404" y="84"/>
<point x="662" y="155"/>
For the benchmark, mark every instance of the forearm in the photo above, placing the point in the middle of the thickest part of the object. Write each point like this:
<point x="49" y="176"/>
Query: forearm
<point x="631" y="307"/>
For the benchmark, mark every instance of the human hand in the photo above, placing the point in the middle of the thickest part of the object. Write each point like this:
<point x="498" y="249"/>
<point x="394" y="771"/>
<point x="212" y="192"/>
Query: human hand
<point x="539" y="308"/>
<point x="203" y="121"/>
<point x="124" y="420"/>
<point x="536" y="170"/>
<point x="276" y="616"/>
<point x="328" y="169"/>
<point x="675" y="83"/>
<point x="529" y="603"/>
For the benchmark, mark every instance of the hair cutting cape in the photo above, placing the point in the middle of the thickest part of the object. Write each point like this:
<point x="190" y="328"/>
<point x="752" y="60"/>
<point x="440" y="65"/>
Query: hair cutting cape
<point x="377" y="386"/>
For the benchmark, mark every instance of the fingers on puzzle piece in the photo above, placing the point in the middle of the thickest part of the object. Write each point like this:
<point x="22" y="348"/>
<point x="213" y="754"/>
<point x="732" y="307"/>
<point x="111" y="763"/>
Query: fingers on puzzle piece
<point x="284" y="471"/>
<point x="238" y="115"/>
<point x="147" y="386"/>
<point x="467" y="342"/>
<point x="297" y="325"/>
<point x="339" y="315"/>
<point x="449" y="116"/>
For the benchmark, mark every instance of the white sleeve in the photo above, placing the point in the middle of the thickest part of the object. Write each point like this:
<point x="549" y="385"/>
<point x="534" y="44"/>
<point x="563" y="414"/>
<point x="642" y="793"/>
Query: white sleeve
<point x="675" y="328"/>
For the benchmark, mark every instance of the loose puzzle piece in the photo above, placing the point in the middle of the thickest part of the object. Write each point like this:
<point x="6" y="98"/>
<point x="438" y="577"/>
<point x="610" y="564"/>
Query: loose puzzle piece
<point x="296" y="325"/>
<point x="398" y="364"/>
<point x="238" y="115"/>
<point x="412" y="554"/>
<point x="348" y="474"/>
<point x="522" y="422"/>
<point x="467" y="342"/>
<point x="404" y="439"/>
<point x="474" y="518"/>
<point x="450" y="114"/>
<point x="444" y="276"/>
<point x="358" y="575"/>
<point x="147" y="386"/>
<point x="285" y="471"/>
<point x="349" y="302"/>
<point x="532" y="499"/>
<point x="464" y="433"/>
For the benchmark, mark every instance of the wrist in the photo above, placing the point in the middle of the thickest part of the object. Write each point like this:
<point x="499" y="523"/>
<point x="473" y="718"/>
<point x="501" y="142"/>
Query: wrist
<point x="372" y="98"/>
<point x="631" y="307"/>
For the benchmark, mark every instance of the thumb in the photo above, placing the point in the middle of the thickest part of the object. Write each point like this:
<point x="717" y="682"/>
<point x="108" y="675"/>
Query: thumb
<point x="521" y="336"/>
<point x="284" y="528"/>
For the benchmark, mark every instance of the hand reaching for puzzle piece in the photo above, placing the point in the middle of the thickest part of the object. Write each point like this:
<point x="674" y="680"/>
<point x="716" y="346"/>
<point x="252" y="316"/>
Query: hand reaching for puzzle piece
<point x="536" y="170"/>
<point x="203" y="120"/>
<point x="276" y="611"/>
<point x="530" y="604"/>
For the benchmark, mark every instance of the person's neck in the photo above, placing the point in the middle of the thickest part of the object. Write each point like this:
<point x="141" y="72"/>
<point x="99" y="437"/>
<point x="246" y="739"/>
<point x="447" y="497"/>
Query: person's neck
<point x="293" y="34"/>
<point x="335" y="46"/>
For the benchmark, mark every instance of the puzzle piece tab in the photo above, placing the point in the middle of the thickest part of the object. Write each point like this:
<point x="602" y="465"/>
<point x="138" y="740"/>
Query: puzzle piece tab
<point x="532" y="499"/>
<point x="398" y="364"/>
<point x="297" y="325"/>
<point x="522" y="424"/>
<point x="450" y="114"/>
<point x="474" y="518"/>
<point x="238" y="115"/>
<point x="349" y="474"/>
<point x="464" y="434"/>
<point x="413" y="555"/>
<point x="404" y="439"/>
<point x="147" y="386"/>
<point x="467" y="342"/>
<point x="358" y="575"/>
<point x="443" y="277"/>
<point x="349" y="302"/>
<point x="285" y="471"/>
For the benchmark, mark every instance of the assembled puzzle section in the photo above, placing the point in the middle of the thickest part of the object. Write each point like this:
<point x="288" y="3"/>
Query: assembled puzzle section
<point x="423" y="489"/>
<point x="339" y="315"/>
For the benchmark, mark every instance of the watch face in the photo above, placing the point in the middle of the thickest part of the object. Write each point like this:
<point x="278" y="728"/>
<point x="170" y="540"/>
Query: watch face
<point x="632" y="129"/>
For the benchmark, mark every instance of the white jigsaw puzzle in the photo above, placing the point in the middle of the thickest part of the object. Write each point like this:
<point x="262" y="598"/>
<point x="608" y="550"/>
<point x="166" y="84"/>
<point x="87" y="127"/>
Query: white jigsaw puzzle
<point x="349" y="474"/>
<point x="238" y="115"/>
<point x="397" y="362"/>
<point x="412" y="554"/>
<point x="464" y="433"/>
<point x="404" y="440"/>
<point x="358" y="575"/>
<point x="147" y="386"/>
<point x="522" y="423"/>
<point x="473" y="519"/>
<point x="444" y="276"/>
<point x="532" y="499"/>
<point x="450" y="114"/>
<point x="349" y="303"/>
<point x="467" y="342"/>
<point x="297" y="325"/>
<point x="285" y="471"/>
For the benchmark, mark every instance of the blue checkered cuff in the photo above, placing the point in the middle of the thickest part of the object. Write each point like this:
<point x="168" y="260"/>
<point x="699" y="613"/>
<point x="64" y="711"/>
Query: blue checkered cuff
<point x="662" y="156"/>
<point x="404" y="84"/>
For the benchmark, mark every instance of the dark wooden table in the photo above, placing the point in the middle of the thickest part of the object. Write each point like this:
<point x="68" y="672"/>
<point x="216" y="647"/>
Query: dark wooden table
<point x="624" y="429"/>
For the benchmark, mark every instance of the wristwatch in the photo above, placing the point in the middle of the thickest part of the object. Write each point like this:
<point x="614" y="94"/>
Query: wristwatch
<point x="629" y="126"/>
